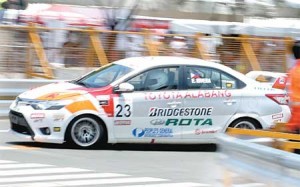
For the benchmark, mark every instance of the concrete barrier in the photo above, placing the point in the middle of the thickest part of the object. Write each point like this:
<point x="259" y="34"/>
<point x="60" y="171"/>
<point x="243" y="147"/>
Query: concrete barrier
<point x="273" y="167"/>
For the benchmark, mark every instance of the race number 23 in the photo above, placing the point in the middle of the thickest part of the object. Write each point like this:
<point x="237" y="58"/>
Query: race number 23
<point x="123" y="107"/>
<point x="123" y="110"/>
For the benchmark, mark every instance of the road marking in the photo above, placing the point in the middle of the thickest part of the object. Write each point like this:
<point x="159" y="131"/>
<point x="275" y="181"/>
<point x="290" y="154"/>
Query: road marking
<point x="27" y="165"/>
<point x="14" y="147"/>
<point x="60" y="177"/>
<point x="260" y="140"/>
<point x="89" y="182"/>
<point x="249" y="185"/>
<point x="7" y="162"/>
<point x="185" y="184"/>
<point x="6" y="148"/>
<point x="4" y="131"/>
<point x="13" y="174"/>
<point x="24" y="147"/>
<point x="41" y="171"/>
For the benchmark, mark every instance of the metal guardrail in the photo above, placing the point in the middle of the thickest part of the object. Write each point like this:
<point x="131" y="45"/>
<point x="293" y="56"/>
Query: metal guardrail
<point x="273" y="167"/>
<point x="10" y="88"/>
<point x="278" y="133"/>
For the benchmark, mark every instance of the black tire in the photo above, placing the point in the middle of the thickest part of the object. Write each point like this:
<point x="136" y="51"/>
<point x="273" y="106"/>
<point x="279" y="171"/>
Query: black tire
<point x="85" y="132"/>
<point x="245" y="123"/>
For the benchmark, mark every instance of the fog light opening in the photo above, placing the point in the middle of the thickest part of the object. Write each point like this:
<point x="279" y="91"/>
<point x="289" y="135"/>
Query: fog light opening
<point x="45" y="130"/>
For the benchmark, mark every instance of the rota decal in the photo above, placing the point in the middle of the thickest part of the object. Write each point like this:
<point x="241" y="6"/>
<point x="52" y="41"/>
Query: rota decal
<point x="189" y="122"/>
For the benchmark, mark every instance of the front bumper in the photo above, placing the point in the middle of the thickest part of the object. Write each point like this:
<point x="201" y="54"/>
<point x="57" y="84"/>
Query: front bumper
<point x="41" y="126"/>
<point x="19" y="124"/>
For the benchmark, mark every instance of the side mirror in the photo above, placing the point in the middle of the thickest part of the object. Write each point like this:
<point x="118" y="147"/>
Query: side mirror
<point x="124" y="88"/>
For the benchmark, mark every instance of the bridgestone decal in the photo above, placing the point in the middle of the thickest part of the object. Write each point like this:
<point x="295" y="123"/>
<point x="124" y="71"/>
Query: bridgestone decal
<point x="189" y="111"/>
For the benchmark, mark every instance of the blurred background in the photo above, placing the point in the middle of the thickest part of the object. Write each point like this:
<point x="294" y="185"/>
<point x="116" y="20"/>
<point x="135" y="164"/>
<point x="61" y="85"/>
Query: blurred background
<point x="61" y="39"/>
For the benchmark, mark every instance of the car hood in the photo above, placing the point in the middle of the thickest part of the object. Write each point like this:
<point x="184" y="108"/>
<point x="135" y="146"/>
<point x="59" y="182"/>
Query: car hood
<point x="54" y="91"/>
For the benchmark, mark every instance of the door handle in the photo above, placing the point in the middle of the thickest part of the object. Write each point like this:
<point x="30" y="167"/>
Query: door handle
<point x="229" y="102"/>
<point x="174" y="104"/>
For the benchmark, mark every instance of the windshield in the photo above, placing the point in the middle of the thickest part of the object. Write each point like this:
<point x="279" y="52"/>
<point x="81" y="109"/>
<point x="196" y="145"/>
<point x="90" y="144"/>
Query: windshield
<point x="103" y="76"/>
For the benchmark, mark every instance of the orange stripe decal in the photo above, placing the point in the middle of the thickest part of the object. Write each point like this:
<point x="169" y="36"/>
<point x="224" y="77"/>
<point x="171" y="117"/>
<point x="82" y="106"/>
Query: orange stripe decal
<point x="81" y="105"/>
<point x="58" y="96"/>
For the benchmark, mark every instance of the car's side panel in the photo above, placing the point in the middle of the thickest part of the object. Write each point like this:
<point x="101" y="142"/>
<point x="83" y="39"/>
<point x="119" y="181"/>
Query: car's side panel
<point x="217" y="108"/>
<point x="149" y="113"/>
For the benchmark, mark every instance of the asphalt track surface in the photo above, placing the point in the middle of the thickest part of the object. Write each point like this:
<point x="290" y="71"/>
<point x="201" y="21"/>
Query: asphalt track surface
<point x="26" y="163"/>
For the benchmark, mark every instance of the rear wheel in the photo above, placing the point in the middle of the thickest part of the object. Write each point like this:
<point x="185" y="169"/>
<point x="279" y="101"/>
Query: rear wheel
<point x="85" y="132"/>
<point x="245" y="124"/>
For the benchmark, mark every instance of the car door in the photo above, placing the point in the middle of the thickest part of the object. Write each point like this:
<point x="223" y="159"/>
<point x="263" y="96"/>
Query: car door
<point x="150" y="106"/>
<point x="214" y="97"/>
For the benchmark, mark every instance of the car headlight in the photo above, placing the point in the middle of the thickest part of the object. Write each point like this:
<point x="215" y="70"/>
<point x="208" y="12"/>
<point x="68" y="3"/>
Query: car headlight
<point x="50" y="105"/>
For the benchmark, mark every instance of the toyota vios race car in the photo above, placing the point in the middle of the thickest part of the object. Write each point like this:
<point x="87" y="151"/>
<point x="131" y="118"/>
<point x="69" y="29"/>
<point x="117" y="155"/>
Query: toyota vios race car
<point x="147" y="100"/>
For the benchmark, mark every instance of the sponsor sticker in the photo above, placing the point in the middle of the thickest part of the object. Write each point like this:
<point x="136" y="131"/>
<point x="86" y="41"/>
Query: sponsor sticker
<point x="122" y="122"/>
<point x="281" y="80"/>
<point x="188" y="111"/>
<point x="173" y="95"/>
<point x="201" y="131"/>
<point x="157" y="122"/>
<point x="58" y="117"/>
<point x="103" y="99"/>
<point x="201" y="80"/>
<point x="152" y="132"/>
<point x="277" y="116"/>
<point x="103" y="102"/>
<point x="37" y="116"/>
<point x="52" y="95"/>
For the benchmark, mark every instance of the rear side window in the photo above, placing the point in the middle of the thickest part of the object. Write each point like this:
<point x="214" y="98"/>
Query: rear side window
<point x="210" y="78"/>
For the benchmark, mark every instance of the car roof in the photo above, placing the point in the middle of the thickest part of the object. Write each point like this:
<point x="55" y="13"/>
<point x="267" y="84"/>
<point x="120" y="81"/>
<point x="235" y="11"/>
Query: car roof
<point x="152" y="61"/>
<point x="138" y="63"/>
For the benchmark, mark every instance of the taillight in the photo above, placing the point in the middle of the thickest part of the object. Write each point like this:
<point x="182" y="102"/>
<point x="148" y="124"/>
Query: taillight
<point x="281" y="99"/>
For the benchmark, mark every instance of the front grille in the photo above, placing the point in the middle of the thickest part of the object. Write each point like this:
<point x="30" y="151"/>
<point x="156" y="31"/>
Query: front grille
<point x="19" y="124"/>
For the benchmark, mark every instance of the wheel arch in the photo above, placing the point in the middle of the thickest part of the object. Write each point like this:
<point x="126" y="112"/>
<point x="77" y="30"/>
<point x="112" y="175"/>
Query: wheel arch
<point x="256" y="122"/>
<point x="100" y="120"/>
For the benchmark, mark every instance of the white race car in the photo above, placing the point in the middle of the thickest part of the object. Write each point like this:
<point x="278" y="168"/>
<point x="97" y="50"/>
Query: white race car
<point x="147" y="100"/>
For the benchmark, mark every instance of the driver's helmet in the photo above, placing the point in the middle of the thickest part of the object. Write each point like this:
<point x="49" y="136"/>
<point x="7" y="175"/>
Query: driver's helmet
<point x="157" y="80"/>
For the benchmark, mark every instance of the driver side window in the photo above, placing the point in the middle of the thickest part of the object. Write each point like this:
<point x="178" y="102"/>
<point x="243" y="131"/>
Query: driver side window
<point x="156" y="79"/>
<point x="209" y="78"/>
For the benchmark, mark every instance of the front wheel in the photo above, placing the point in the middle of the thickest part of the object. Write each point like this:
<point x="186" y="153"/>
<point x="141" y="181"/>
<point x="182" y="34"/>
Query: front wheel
<point x="85" y="132"/>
